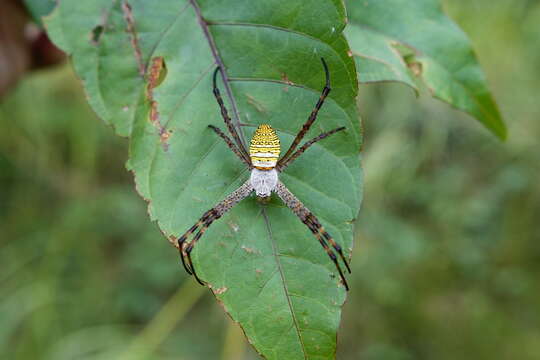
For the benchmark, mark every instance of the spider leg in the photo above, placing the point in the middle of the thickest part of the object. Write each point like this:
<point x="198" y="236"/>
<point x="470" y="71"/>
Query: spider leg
<point x="204" y="223"/>
<point x="329" y="251"/>
<point x="189" y="248"/>
<point x="320" y="230"/>
<point x="304" y="147"/>
<point x="230" y="144"/>
<point x="228" y="121"/>
<point x="314" y="225"/>
<point x="187" y="267"/>
<point x="312" y="117"/>
<point x="182" y="239"/>
<point x="194" y="273"/>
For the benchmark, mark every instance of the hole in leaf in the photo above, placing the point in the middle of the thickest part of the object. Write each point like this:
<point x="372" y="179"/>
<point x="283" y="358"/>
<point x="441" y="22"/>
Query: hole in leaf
<point x="96" y="34"/>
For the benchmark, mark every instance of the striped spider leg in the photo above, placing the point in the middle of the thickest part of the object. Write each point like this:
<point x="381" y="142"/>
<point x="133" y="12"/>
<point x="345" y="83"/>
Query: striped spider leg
<point x="265" y="165"/>
<point x="299" y="209"/>
<point x="312" y="116"/>
<point x="205" y="221"/>
<point x="236" y="196"/>
<point x="314" y="225"/>
<point x="304" y="147"/>
<point x="231" y="145"/>
<point x="241" y="148"/>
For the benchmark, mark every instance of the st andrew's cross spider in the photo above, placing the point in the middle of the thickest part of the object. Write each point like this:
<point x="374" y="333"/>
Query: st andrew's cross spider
<point x="265" y="167"/>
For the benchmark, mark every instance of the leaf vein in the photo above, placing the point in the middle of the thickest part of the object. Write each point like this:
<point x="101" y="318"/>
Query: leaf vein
<point x="283" y="281"/>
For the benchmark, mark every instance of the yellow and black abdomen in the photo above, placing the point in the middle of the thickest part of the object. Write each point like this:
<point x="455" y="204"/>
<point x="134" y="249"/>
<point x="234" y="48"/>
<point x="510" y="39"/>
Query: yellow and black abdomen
<point x="264" y="148"/>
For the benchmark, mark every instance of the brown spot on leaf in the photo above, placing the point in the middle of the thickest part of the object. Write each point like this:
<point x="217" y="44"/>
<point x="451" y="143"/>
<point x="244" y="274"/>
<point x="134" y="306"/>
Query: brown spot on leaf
<point x="156" y="74"/>
<point x="247" y="249"/>
<point x="130" y="20"/>
<point x="285" y="79"/>
<point x="234" y="226"/>
<point x="163" y="137"/>
<point x="173" y="240"/>
<point x="416" y="68"/>
<point x="154" y="113"/>
<point x="220" y="290"/>
<point x="256" y="104"/>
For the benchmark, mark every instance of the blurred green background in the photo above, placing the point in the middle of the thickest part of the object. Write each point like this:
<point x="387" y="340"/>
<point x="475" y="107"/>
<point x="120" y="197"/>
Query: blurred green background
<point x="447" y="256"/>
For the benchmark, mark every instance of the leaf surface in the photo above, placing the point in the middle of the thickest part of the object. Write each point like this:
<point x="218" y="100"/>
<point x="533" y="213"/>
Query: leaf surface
<point x="39" y="8"/>
<point x="147" y="66"/>
<point x="398" y="40"/>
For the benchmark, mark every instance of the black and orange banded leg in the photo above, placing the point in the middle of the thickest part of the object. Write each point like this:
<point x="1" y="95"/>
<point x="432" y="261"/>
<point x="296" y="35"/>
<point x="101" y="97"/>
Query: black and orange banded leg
<point x="185" y="250"/>
<point x="193" y="242"/>
<point x="307" y="217"/>
<point x="182" y="239"/>
<point x="320" y="229"/>
<point x="230" y="144"/>
<point x="228" y="121"/>
<point x="185" y="247"/>
<point x="304" y="147"/>
<point x="329" y="251"/>
<point x="312" y="117"/>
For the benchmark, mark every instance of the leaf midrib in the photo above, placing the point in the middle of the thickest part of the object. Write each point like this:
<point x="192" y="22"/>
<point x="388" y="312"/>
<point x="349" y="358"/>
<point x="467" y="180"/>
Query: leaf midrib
<point x="224" y="74"/>
<point x="283" y="281"/>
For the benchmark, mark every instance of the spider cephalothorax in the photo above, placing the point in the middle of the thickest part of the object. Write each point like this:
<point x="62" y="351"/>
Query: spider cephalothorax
<point x="265" y="165"/>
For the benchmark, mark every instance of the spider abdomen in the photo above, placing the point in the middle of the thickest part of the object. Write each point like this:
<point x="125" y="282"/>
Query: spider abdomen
<point x="264" y="148"/>
<point x="263" y="181"/>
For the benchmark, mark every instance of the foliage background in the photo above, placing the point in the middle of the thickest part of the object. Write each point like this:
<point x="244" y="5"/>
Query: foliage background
<point x="446" y="258"/>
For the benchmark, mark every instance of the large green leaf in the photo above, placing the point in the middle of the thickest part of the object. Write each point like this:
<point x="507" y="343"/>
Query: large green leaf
<point x="398" y="40"/>
<point x="263" y="265"/>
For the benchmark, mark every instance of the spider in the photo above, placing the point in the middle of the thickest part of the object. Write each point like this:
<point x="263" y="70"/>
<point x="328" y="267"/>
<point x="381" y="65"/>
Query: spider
<point x="265" y="165"/>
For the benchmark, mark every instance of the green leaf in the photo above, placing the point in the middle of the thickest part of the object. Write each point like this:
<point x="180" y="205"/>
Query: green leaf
<point x="146" y="68"/>
<point x="39" y="8"/>
<point x="398" y="40"/>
